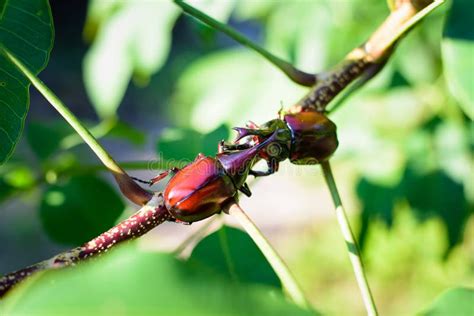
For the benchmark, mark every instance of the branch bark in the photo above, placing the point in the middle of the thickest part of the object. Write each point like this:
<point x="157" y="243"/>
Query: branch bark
<point x="148" y="217"/>
<point x="370" y="57"/>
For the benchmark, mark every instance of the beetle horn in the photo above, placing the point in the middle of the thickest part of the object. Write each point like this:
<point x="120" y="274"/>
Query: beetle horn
<point x="244" y="132"/>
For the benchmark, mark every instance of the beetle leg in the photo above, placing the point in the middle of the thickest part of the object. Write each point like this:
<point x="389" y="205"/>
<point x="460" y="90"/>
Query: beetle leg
<point x="142" y="181"/>
<point x="272" y="168"/>
<point x="162" y="175"/>
<point x="159" y="177"/>
<point x="200" y="156"/>
<point x="223" y="147"/>
<point x="245" y="189"/>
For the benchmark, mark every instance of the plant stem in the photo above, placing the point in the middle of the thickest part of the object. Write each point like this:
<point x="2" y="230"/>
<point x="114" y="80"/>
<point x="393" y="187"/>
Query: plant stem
<point x="293" y="73"/>
<point x="98" y="131"/>
<point x="128" y="187"/>
<point x="279" y="266"/>
<point x="151" y="165"/>
<point x="352" y="247"/>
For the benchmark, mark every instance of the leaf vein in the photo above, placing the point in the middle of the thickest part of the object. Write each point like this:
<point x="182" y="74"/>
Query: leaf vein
<point x="8" y="136"/>
<point x="23" y="39"/>
<point x="29" y="13"/>
<point x="14" y="77"/>
<point x="11" y="109"/>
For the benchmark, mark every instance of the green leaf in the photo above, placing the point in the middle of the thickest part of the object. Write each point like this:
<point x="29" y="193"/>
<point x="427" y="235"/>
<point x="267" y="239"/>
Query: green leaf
<point x="458" y="52"/>
<point x="126" y="131"/>
<point x="377" y="203"/>
<point x="232" y="253"/>
<point x="45" y="137"/>
<point x="186" y="143"/>
<point x="435" y="194"/>
<point x="455" y="301"/>
<point x="133" y="282"/>
<point x="133" y="39"/>
<point x="80" y="209"/>
<point x="26" y="30"/>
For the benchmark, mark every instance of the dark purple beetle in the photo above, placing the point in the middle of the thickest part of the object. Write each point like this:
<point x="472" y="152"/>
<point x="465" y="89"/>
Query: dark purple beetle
<point x="307" y="138"/>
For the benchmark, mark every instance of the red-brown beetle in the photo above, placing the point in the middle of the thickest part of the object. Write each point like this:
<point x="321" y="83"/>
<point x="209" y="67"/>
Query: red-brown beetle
<point x="310" y="138"/>
<point x="203" y="187"/>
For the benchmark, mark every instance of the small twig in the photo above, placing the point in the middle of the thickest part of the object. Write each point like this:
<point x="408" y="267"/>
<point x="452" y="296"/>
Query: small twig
<point x="128" y="187"/>
<point x="352" y="247"/>
<point x="148" y="217"/>
<point x="279" y="266"/>
<point x="293" y="73"/>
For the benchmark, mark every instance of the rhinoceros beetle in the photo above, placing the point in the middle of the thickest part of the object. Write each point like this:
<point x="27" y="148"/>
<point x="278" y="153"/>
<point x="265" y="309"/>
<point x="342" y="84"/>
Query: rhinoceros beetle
<point x="307" y="138"/>
<point x="205" y="186"/>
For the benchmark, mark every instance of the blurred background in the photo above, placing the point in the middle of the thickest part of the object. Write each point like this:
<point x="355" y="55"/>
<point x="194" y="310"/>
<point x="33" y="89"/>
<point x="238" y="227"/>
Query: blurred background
<point x="154" y="84"/>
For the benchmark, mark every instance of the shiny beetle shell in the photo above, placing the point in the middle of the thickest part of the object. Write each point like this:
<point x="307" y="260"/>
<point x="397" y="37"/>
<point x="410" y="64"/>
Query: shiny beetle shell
<point x="199" y="190"/>
<point x="313" y="136"/>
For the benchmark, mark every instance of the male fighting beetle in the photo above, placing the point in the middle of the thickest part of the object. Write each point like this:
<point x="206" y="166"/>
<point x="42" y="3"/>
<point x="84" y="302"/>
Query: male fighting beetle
<point x="309" y="136"/>
<point x="205" y="186"/>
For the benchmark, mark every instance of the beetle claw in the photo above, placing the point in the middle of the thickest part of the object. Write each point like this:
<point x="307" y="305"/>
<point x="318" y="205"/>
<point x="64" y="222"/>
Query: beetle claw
<point x="245" y="189"/>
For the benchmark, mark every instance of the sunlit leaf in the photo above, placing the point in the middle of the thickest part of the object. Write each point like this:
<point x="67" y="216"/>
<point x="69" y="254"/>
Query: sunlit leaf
<point x="186" y="143"/>
<point x="232" y="92"/>
<point x="455" y="301"/>
<point x="126" y="131"/>
<point x="26" y="30"/>
<point x="132" y="282"/>
<point x="82" y="208"/>
<point x="135" y="38"/>
<point x="458" y="52"/>
<point x="232" y="253"/>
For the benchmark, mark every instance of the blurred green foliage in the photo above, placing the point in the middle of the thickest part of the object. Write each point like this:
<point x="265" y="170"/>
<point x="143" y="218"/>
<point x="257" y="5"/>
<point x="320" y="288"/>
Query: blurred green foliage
<point x="184" y="144"/>
<point x="233" y="254"/>
<point x="458" y="49"/>
<point x="80" y="209"/>
<point x="405" y="266"/>
<point x="457" y="301"/>
<point x="406" y="137"/>
<point x="155" y="284"/>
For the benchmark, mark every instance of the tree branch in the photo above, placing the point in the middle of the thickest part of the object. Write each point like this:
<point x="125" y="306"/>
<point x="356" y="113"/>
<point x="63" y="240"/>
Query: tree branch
<point x="293" y="73"/>
<point x="281" y="269"/>
<point x="369" y="57"/>
<point x="352" y="247"/>
<point x="148" y="217"/>
<point x="128" y="187"/>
